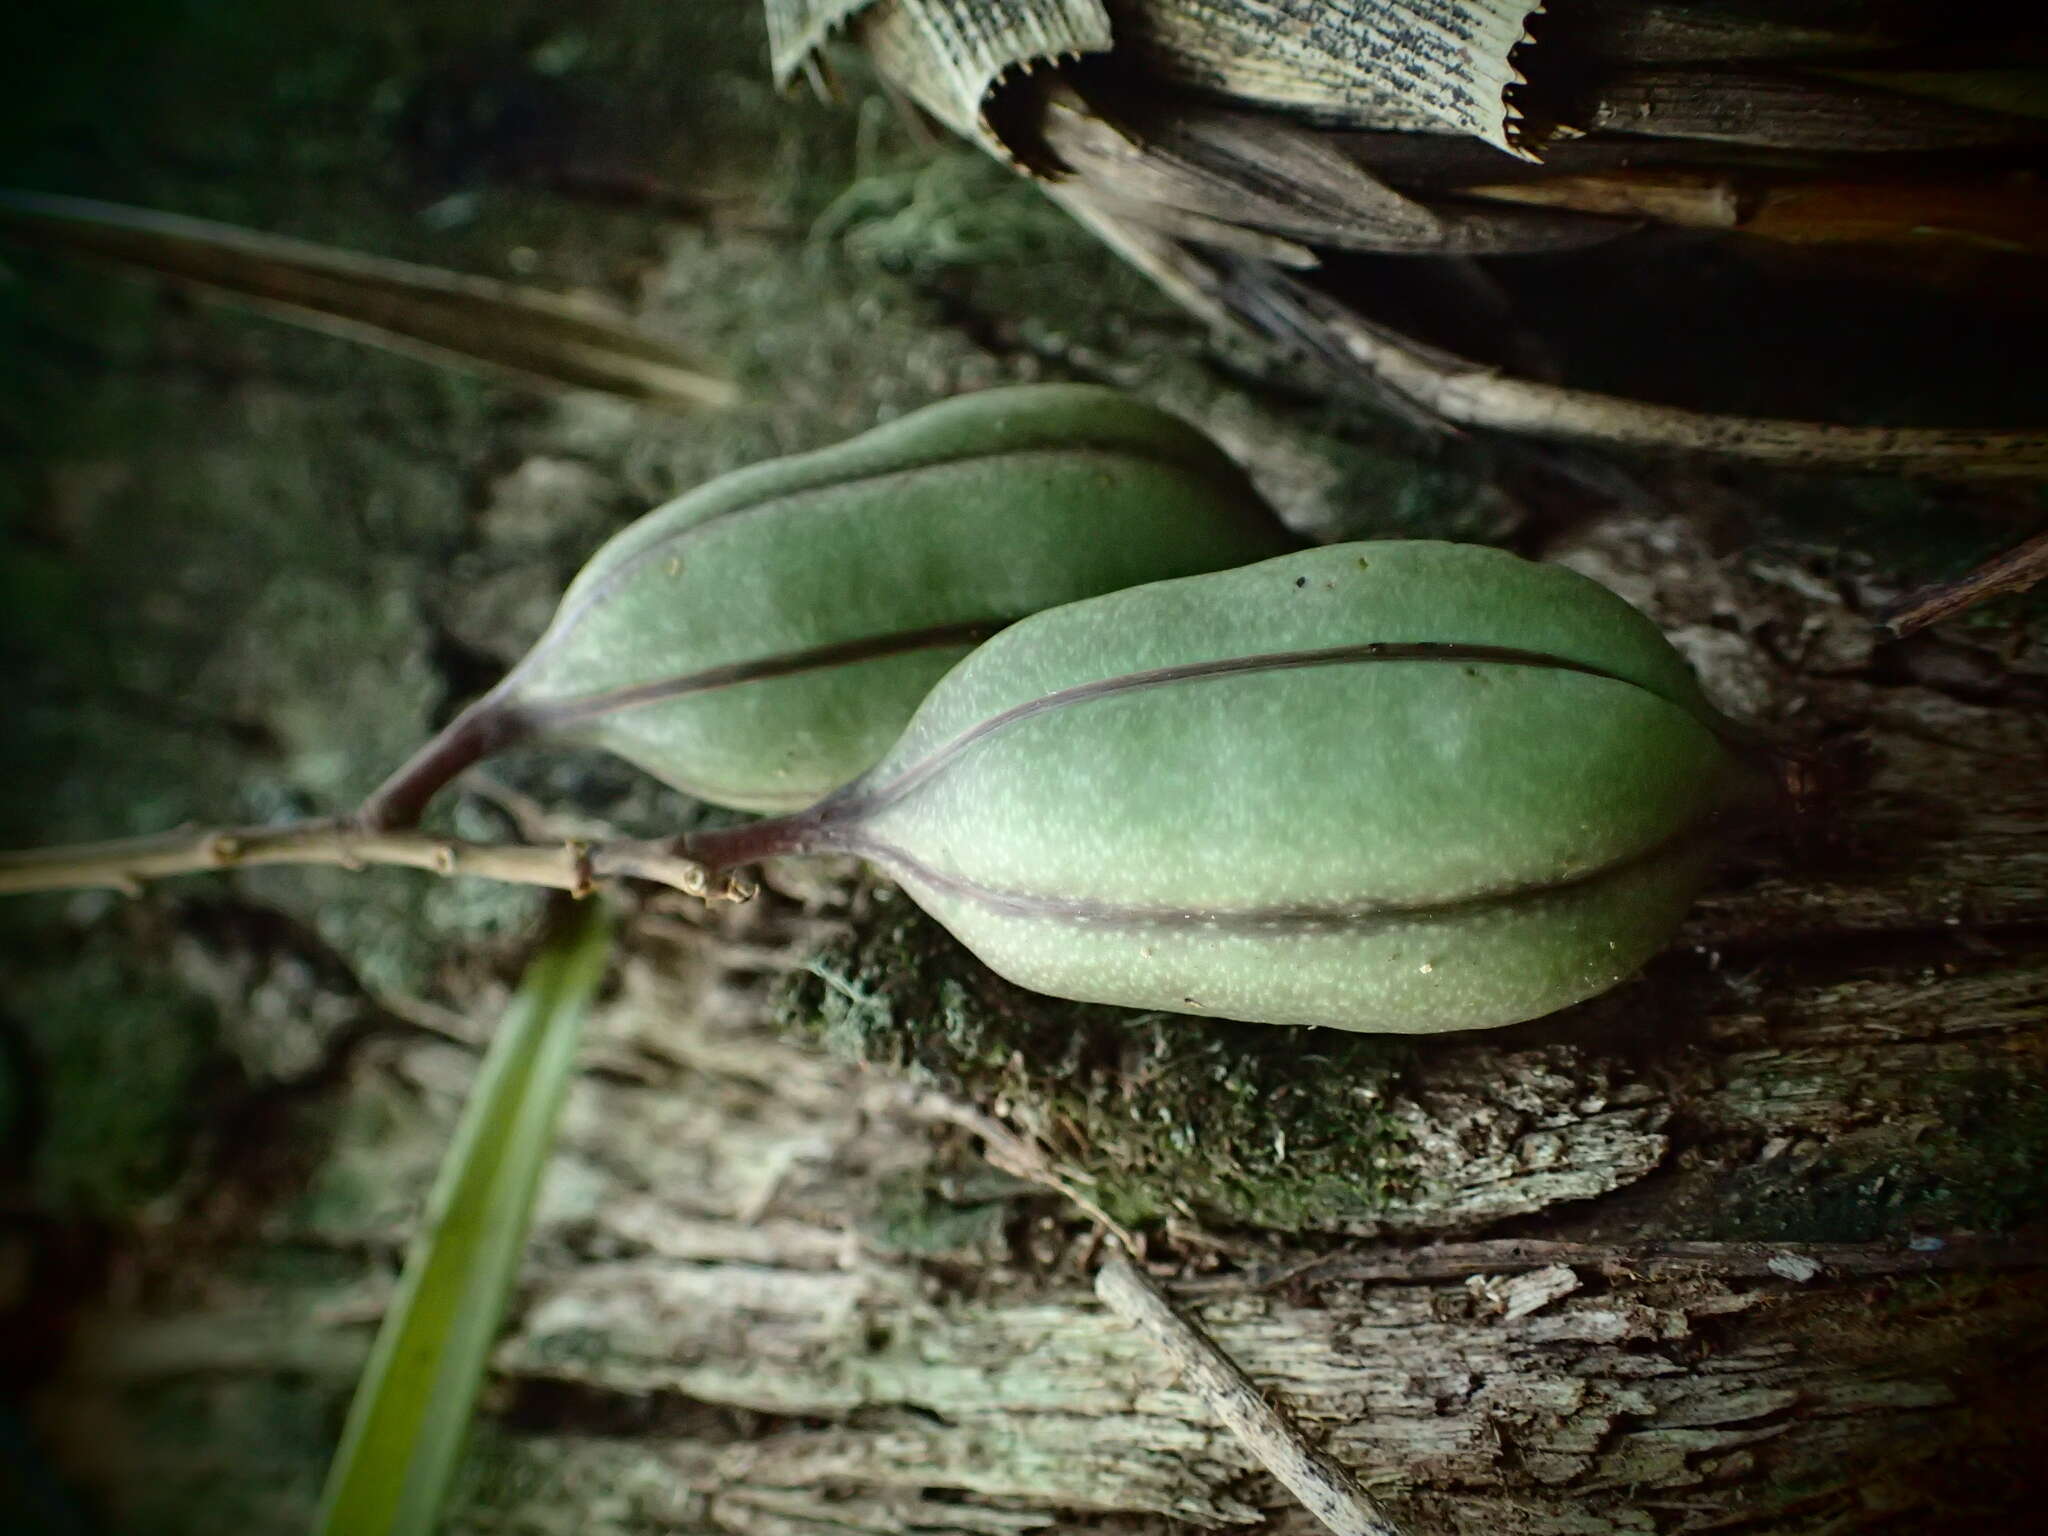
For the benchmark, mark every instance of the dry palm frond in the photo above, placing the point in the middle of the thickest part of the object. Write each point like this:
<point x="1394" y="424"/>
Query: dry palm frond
<point x="1657" y="32"/>
<point x="1787" y="109"/>
<point x="1997" y="212"/>
<point x="950" y="56"/>
<point x="2018" y="92"/>
<point x="522" y="333"/>
<point x="797" y="29"/>
<point x="1256" y="172"/>
<point x="1431" y="386"/>
<point x="1220" y="144"/>
<point x="1427" y="65"/>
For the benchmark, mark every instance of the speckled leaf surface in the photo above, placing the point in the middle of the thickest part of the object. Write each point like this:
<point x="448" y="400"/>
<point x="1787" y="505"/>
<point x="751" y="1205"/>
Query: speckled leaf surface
<point x="1405" y="786"/>
<point x="763" y="639"/>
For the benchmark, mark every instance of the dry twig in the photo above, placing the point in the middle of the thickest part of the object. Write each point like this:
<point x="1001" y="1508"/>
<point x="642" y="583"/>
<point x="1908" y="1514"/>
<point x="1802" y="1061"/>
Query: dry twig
<point x="1325" y="1489"/>
<point x="1017" y="1155"/>
<point x="574" y="867"/>
<point x="1438" y="390"/>
<point x="516" y="331"/>
<point x="1472" y="395"/>
<point x="2014" y="571"/>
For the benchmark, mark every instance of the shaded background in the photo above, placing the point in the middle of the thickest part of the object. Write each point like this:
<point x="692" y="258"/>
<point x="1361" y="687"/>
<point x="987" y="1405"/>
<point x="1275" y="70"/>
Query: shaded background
<point x="247" y="568"/>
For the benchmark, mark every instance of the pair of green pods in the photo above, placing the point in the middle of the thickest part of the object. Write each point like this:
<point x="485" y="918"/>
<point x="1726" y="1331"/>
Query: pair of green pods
<point x="1035" y="654"/>
<point x="1400" y="787"/>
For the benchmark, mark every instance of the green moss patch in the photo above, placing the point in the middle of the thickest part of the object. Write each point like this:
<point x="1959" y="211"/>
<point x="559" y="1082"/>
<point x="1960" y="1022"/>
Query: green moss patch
<point x="1231" y="1124"/>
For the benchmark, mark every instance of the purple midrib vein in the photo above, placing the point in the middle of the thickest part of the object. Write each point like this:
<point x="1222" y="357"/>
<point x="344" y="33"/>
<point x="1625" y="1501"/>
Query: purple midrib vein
<point x="858" y="800"/>
<point x="1280" y="918"/>
<point x="837" y="824"/>
<point x="669" y="545"/>
<point x="551" y="714"/>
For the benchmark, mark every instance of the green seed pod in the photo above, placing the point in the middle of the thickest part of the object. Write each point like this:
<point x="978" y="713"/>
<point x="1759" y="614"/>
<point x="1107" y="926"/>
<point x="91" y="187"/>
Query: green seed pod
<point x="1401" y="787"/>
<point x="764" y="639"/>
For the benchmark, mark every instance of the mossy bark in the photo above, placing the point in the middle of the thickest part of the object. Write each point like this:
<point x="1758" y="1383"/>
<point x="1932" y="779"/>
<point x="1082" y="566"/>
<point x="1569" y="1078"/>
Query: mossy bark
<point x="1751" y="1240"/>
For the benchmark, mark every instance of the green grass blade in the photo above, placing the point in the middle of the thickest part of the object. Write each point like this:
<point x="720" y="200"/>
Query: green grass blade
<point x="411" y="1411"/>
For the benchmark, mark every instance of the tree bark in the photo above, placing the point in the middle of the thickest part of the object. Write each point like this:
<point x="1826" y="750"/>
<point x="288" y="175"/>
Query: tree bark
<point x="1754" y="1278"/>
<point x="1752" y="1243"/>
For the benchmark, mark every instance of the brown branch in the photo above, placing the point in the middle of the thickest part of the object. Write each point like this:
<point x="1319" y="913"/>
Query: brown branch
<point x="1434" y="388"/>
<point x="2014" y="571"/>
<point x="515" y="331"/>
<point x="1326" y="1489"/>
<point x="1474" y="396"/>
<point x="574" y="867"/>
